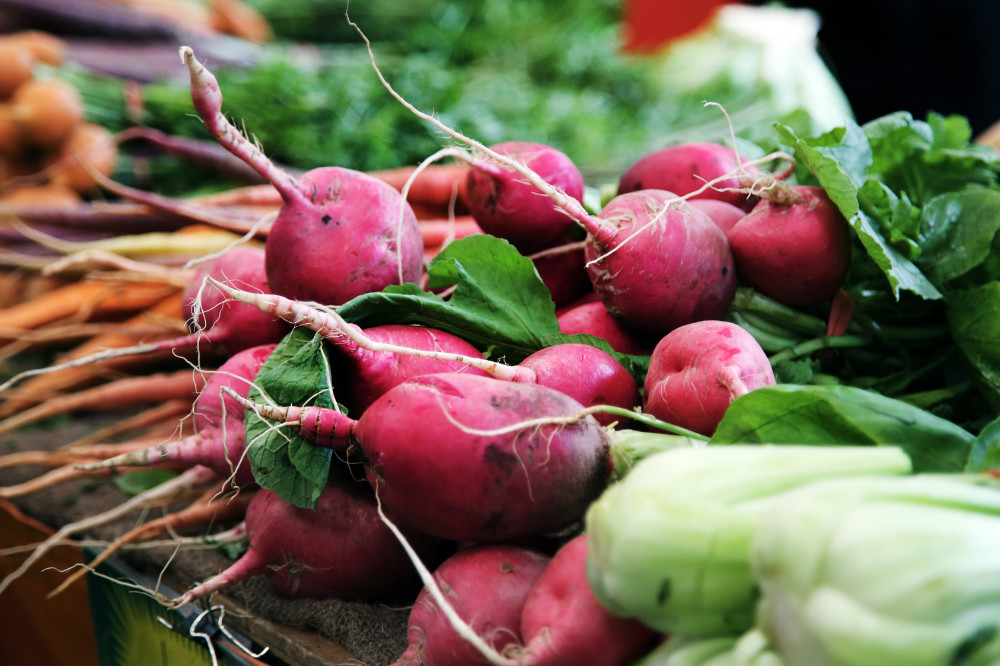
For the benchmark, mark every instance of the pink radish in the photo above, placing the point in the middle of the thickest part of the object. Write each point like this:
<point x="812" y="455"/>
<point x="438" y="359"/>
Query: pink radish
<point x="794" y="247"/>
<point x="487" y="585"/>
<point x="686" y="167"/>
<point x="594" y="319"/>
<point x="340" y="550"/>
<point x="655" y="268"/>
<point x="562" y="623"/>
<point x="562" y="270"/>
<point x="339" y="233"/>
<point x="384" y="356"/>
<point x="506" y="206"/>
<point x="697" y="370"/>
<point x="724" y="214"/>
<point x="230" y="327"/>
<point x="659" y="266"/>
<point x="218" y="441"/>
<point x="490" y="460"/>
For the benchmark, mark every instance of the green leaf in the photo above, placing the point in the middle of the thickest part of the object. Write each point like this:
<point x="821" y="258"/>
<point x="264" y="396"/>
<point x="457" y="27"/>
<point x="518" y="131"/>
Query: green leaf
<point x="844" y="415"/>
<point x="839" y="161"/>
<point x="985" y="453"/>
<point x="283" y="461"/>
<point x="957" y="232"/>
<point x="499" y="303"/>
<point x="974" y="319"/>
<point x="141" y="480"/>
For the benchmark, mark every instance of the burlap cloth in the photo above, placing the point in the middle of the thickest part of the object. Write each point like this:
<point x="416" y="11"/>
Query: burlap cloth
<point x="372" y="633"/>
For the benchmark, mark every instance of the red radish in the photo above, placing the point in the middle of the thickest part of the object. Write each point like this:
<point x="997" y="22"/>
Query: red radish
<point x="796" y="248"/>
<point x="696" y="371"/>
<point x="594" y="319"/>
<point x="562" y="270"/>
<point x="506" y="206"/>
<point x="490" y="460"/>
<point x="659" y="266"/>
<point x="231" y="326"/>
<point x="562" y="623"/>
<point x="384" y="356"/>
<point x="487" y="585"/>
<point x="724" y="214"/>
<point x="657" y="269"/>
<point x="587" y="374"/>
<point x="340" y="550"/>
<point x="686" y="167"/>
<point x="339" y="233"/>
<point x="219" y="438"/>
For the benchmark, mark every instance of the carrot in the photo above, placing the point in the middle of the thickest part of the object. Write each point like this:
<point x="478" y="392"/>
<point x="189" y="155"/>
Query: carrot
<point x="84" y="299"/>
<point x="436" y="231"/>
<point x="70" y="456"/>
<point x="44" y="46"/>
<point x="248" y="195"/>
<point x="115" y="395"/>
<point x="236" y="18"/>
<point x="91" y="142"/>
<point x="159" y="422"/>
<point x="437" y="184"/>
<point x="50" y="194"/>
<point x="17" y="65"/>
<point x="47" y="111"/>
<point x="203" y="511"/>
<point x="63" y="474"/>
<point x="42" y="386"/>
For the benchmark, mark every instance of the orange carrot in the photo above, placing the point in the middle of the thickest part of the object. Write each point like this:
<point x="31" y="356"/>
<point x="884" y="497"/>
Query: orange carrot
<point x="45" y="46"/>
<point x="437" y="230"/>
<point x="17" y="65"/>
<point x="249" y="195"/>
<point x="91" y="142"/>
<point x="71" y="456"/>
<point x="43" y="386"/>
<point x="83" y="300"/>
<point x="436" y="185"/>
<point x="115" y="395"/>
<point x="158" y="422"/>
<point x="47" y="111"/>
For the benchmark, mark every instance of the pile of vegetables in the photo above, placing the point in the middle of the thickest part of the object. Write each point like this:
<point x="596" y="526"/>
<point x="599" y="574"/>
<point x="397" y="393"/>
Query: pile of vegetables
<point x="710" y="413"/>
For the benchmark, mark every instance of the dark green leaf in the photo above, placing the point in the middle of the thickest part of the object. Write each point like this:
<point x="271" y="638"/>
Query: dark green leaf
<point x="974" y="318"/>
<point x="957" y="232"/>
<point x="844" y="415"/>
<point x="283" y="461"/>
<point x="499" y="303"/>
<point x="839" y="161"/>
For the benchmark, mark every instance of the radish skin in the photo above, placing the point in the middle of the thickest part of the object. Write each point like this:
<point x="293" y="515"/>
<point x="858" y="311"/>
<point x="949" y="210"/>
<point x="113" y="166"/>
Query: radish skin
<point x="340" y="550"/>
<point x="488" y="586"/>
<point x="338" y="233"/>
<point x="562" y="623"/>
<point x="696" y="371"/>
<point x="492" y="460"/>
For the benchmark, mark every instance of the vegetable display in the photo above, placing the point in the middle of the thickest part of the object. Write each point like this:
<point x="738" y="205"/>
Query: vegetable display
<point x="735" y="404"/>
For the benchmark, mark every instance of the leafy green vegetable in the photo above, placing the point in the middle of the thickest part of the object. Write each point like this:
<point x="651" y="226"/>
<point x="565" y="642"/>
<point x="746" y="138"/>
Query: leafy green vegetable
<point x="844" y="415"/>
<point x="499" y="303"/>
<point x="283" y="461"/>
<point x="141" y="480"/>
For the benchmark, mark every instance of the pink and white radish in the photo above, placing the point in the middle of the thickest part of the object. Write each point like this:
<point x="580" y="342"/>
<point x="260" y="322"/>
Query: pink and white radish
<point x="219" y="438"/>
<point x="340" y="233"/>
<point x="562" y="623"/>
<point x="507" y="206"/>
<point x="655" y="267"/>
<point x="470" y="458"/>
<point x="697" y="370"/>
<point x="382" y="357"/>
<point x="339" y="550"/>
<point x="685" y="168"/>
<point x="487" y="586"/>
<point x="594" y="319"/>
<point x="794" y="246"/>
